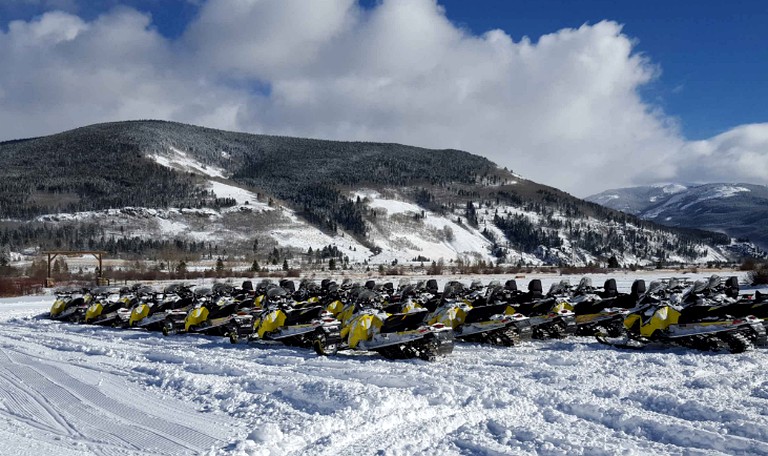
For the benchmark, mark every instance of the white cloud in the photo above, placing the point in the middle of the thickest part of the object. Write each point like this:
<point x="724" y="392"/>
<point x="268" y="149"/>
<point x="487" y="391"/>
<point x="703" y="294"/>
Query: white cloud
<point x="738" y="155"/>
<point x="563" y="110"/>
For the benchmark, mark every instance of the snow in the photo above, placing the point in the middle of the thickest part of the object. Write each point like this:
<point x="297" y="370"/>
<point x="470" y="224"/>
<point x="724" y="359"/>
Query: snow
<point x="671" y="189"/>
<point x="71" y="390"/>
<point x="403" y="234"/>
<point x="242" y="197"/>
<point x="180" y="160"/>
<point x="727" y="191"/>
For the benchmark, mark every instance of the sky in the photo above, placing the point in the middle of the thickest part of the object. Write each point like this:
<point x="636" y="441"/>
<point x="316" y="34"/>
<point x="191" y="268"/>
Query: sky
<point x="583" y="96"/>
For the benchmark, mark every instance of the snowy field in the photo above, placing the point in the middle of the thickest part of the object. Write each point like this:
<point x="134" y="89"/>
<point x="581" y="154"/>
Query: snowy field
<point x="67" y="389"/>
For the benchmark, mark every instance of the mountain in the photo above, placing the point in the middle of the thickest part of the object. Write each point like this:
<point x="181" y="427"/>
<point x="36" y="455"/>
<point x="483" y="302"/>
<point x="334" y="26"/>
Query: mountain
<point x="155" y="188"/>
<point x="739" y="210"/>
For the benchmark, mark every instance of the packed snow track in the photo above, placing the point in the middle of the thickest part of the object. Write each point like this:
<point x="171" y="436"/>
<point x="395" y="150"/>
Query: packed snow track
<point x="73" y="389"/>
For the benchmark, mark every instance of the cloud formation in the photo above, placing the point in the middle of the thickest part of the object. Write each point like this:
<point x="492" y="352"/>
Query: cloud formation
<point x="563" y="110"/>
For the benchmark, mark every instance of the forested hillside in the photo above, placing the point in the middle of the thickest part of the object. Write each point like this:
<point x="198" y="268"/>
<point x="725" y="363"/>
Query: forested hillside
<point x="163" y="165"/>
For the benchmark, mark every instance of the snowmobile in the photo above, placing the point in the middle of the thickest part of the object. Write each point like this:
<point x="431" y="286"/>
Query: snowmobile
<point x="602" y="311"/>
<point x="131" y="298"/>
<point x="749" y="304"/>
<point x="176" y="320"/>
<point x="362" y="325"/>
<point x="104" y="307"/>
<point x="550" y="315"/>
<point x="496" y="324"/>
<point x="71" y="305"/>
<point x="214" y="318"/>
<point x="279" y="320"/>
<point x="211" y="314"/>
<point x="151" y="314"/>
<point x="663" y="322"/>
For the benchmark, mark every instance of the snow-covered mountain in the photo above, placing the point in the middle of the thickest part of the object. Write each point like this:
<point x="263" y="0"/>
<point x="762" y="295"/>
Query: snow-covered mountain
<point x="148" y="187"/>
<point x="739" y="210"/>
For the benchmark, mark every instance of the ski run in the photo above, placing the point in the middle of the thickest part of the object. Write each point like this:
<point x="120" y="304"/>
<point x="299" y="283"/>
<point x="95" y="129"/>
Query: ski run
<point x="69" y="389"/>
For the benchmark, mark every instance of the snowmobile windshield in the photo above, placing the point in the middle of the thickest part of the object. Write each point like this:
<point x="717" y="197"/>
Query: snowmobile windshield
<point x="222" y="288"/>
<point x="277" y="293"/>
<point x="585" y="283"/>
<point x="368" y="299"/>
<point x="699" y="286"/>
<point x="203" y="291"/>
<point x="172" y="288"/>
<point x="408" y="290"/>
<point x="450" y="292"/>
<point x="145" y="291"/>
<point x="559" y="288"/>
<point x="714" y="281"/>
<point x="655" y="287"/>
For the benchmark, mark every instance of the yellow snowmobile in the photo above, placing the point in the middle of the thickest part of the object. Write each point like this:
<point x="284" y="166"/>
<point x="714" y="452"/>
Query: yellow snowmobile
<point x="492" y="322"/>
<point x="663" y="322"/>
<point x="71" y="304"/>
<point x="281" y="319"/>
<point x="362" y="325"/>
<point x="104" y="307"/>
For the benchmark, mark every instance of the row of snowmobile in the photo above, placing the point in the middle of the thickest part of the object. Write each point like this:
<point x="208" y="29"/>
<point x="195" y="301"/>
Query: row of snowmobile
<point x="420" y="321"/>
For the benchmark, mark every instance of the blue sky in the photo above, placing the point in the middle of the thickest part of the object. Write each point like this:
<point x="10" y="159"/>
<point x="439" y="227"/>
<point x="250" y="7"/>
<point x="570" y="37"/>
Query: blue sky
<point x="632" y="92"/>
<point x="713" y="55"/>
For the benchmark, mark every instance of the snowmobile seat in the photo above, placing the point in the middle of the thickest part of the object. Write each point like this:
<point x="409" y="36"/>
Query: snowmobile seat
<point x="393" y="308"/>
<point x="732" y="287"/>
<point x="302" y="315"/>
<point x="324" y="284"/>
<point x="403" y="322"/>
<point x="692" y="314"/>
<point x="510" y="285"/>
<point x="289" y="285"/>
<point x="638" y="288"/>
<point x="432" y="286"/>
<point x="247" y="286"/>
<point x="535" y="291"/>
<point x="484" y="313"/>
<point x="370" y="284"/>
<point x="609" y="289"/>
<point x="591" y="306"/>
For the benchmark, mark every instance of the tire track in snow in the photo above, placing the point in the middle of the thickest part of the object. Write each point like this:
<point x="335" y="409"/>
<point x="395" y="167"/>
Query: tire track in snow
<point x="86" y="414"/>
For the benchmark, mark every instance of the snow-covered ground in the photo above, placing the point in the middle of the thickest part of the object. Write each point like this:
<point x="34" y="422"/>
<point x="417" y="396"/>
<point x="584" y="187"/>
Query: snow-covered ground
<point x="67" y="389"/>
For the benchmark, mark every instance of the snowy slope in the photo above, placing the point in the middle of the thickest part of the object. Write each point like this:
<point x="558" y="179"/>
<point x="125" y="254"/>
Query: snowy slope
<point x="403" y="234"/>
<point x="79" y="390"/>
<point x="182" y="161"/>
